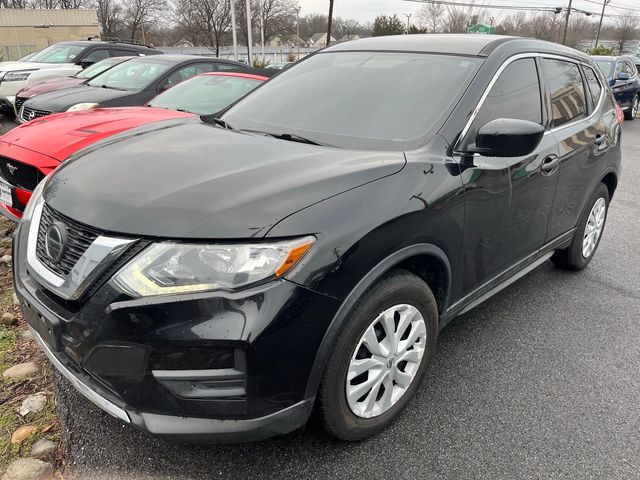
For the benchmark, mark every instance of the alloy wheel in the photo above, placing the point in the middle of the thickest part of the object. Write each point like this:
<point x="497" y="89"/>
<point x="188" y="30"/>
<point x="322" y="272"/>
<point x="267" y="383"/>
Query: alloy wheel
<point x="593" y="229"/>
<point x="634" y="107"/>
<point x="386" y="360"/>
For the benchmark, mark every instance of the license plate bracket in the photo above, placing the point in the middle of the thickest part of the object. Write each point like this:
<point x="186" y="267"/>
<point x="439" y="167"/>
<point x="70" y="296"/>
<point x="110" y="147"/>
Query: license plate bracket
<point x="5" y="193"/>
<point x="48" y="329"/>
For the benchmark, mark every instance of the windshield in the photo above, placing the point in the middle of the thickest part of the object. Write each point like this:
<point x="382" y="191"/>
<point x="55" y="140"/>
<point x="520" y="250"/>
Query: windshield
<point x="59" y="53"/>
<point x="205" y="94"/>
<point x="97" y="68"/>
<point x="132" y="75"/>
<point x="360" y="100"/>
<point x="606" y="67"/>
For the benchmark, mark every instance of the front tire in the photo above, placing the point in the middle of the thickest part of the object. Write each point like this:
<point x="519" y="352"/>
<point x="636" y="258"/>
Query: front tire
<point x="380" y="358"/>
<point x="588" y="233"/>
<point x="633" y="110"/>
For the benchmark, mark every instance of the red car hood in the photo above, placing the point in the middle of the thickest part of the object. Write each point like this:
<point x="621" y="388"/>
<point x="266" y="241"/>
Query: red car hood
<point x="63" y="134"/>
<point x="49" y="86"/>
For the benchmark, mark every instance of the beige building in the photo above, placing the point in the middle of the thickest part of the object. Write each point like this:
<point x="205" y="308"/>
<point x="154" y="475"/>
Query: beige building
<point x="23" y="31"/>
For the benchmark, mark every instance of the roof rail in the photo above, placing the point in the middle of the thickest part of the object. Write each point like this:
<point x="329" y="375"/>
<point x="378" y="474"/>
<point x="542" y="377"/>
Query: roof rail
<point x="118" y="40"/>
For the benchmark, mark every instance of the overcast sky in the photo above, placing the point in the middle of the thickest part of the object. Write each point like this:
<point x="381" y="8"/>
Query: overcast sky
<point x="367" y="10"/>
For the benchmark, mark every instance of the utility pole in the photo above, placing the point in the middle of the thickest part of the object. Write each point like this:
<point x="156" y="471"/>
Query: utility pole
<point x="261" y="29"/>
<point x="604" y="4"/>
<point x="566" y="24"/>
<point x="234" y="33"/>
<point x="298" y="31"/>
<point x="249" y="34"/>
<point x="329" y="22"/>
<point x="408" y="15"/>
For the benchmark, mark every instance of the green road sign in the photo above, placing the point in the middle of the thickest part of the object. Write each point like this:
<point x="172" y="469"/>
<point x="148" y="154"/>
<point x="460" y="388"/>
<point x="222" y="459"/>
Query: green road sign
<point x="482" y="28"/>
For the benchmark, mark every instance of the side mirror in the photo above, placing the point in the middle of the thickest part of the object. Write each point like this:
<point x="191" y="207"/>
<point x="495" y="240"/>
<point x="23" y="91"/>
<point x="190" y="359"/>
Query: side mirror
<point x="86" y="63"/>
<point x="623" y="76"/>
<point x="508" y="137"/>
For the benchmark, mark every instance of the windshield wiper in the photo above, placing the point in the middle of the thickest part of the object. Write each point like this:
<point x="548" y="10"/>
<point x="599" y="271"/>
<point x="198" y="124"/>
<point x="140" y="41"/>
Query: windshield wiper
<point x="290" y="137"/>
<point x="217" y="121"/>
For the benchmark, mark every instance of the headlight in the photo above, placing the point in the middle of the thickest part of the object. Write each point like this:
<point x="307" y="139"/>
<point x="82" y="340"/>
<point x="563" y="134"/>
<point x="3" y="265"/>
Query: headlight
<point x="36" y="198"/>
<point x="17" y="76"/>
<point x="169" y="268"/>
<point x="81" y="106"/>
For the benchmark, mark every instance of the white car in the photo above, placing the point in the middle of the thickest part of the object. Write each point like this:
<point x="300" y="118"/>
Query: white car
<point x="60" y="59"/>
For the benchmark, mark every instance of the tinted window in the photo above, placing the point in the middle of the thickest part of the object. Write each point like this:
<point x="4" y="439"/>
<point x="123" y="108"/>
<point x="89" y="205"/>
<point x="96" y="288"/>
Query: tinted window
<point x="605" y="66"/>
<point x="123" y="53"/>
<point x="59" y="53"/>
<point x="97" y="68"/>
<point x="629" y="68"/>
<point x="594" y="85"/>
<point x="516" y="94"/>
<point x="568" y="101"/>
<point x="205" y="94"/>
<point x="362" y="100"/>
<point x="96" y="55"/>
<point x="133" y="75"/>
<point x="228" y="66"/>
<point x="185" y="73"/>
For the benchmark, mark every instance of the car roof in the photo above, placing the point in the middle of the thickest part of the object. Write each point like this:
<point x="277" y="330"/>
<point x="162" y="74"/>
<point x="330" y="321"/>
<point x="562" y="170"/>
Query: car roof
<point x="612" y="57"/>
<point x="88" y="43"/>
<point x="178" y="57"/>
<point x="252" y="76"/>
<point x="455" y="44"/>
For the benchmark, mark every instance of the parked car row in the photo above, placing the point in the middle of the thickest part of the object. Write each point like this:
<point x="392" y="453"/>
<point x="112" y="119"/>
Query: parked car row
<point x="60" y="59"/>
<point x="64" y="117"/>
<point x="221" y="277"/>
<point x="623" y="77"/>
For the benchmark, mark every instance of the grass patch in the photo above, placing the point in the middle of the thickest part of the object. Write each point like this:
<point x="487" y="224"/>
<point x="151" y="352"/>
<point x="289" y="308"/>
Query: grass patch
<point x="14" y="350"/>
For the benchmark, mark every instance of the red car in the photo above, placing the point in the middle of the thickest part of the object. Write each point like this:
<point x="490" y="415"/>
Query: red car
<point x="58" y="83"/>
<point x="31" y="151"/>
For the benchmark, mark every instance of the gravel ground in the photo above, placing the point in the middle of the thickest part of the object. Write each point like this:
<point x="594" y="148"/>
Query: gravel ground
<point x="541" y="381"/>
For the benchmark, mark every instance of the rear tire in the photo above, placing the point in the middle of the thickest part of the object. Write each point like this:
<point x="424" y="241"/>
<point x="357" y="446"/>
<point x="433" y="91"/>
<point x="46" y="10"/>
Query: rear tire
<point x="592" y="222"/>
<point x="391" y="337"/>
<point x="633" y="110"/>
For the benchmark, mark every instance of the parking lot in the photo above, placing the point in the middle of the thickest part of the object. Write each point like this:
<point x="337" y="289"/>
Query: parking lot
<point x="541" y="381"/>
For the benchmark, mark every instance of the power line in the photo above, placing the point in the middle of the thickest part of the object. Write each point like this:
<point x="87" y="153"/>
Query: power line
<point x="488" y="6"/>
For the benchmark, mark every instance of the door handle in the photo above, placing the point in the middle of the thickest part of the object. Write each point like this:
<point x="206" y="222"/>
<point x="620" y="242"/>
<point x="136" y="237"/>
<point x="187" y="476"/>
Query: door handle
<point x="550" y="164"/>
<point x="599" y="141"/>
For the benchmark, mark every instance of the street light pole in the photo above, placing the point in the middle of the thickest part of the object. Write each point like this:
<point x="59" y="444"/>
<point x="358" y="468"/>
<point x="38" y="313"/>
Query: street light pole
<point x="566" y="24"/>
<point x="604" y="4"/>
<point x="249" y="33"/>
<point x="329" y="22"/>
<point x="408" y="15"/>
<point x="234" y="33"/>
<point x="298" y="31"/>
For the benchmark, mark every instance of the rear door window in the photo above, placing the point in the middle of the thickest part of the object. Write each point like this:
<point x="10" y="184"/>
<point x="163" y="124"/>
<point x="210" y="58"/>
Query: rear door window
<point x="593" y="84"/>
<point x="568" y="99"/>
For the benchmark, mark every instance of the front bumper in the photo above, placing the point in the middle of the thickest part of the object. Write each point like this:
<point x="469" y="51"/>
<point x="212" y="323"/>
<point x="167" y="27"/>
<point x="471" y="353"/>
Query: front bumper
<point x="181" y="428"/>
<point x="124" y="354"/>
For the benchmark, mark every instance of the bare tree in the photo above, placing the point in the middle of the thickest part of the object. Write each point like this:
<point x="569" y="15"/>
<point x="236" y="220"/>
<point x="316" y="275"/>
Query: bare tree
<point x="205" y="21"/>
<point x="626" y="28"/>
<point x="137" y="12"/>
<point x="276" y="17"/>
<point x="66" y="4"/>
<point x="514" y="25"/>
<point x="432" y="17"/>
<point x="110" y="17"/>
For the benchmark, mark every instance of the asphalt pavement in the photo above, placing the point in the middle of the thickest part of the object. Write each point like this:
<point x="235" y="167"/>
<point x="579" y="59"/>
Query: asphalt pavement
<point x="541" y="381"/>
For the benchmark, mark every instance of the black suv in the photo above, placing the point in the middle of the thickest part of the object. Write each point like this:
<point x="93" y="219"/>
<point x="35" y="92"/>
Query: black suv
<point x="221" y="277"/>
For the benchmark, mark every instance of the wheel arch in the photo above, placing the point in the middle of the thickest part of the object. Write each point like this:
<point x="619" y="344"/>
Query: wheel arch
<point x="610" y="179"/>
<point x="427" y="261"/>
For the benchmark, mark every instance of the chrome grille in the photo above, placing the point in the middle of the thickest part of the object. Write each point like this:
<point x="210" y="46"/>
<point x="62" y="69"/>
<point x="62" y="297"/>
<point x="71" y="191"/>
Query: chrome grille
<point x="80" y="237"/>
<point x="18" y="103"/>
<point x="20" y="174"/>
<point x="28" y="113"/>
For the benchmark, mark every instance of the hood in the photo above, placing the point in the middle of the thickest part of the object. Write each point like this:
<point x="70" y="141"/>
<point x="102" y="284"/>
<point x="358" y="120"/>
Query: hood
<point x="191" y="180"/>
<point x="61" y="100"/>
<point x="49" y="86"/>
<point x="63" y="134"/>
<point x="13" y="66"/>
